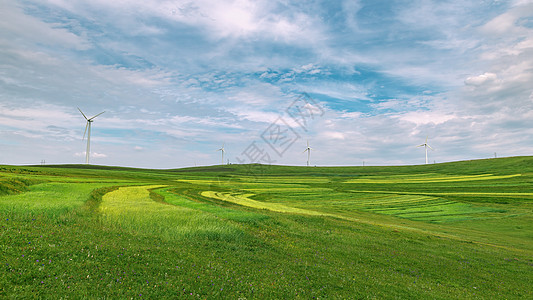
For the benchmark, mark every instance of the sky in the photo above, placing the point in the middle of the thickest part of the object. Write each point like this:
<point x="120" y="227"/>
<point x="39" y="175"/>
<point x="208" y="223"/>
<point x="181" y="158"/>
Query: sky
<point x="361" y="81"/>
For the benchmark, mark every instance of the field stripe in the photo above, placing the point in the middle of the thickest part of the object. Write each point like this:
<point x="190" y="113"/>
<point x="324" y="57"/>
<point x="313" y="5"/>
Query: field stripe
<point x="125" y="196"/>
<point x="276" y="207"/>
<point x="244" y="200"/>
<point x="526" y="195"/>
<point x="400" y="180"/>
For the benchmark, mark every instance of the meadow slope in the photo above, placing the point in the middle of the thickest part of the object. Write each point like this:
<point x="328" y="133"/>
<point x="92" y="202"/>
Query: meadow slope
<point x="453" y="230"/>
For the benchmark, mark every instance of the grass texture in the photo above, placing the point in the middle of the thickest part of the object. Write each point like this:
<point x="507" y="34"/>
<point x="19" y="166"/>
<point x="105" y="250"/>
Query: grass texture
<point x="457" y="230"/>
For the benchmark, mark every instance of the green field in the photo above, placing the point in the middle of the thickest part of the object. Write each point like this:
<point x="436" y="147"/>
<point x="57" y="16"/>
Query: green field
<point x="441" y="231"/>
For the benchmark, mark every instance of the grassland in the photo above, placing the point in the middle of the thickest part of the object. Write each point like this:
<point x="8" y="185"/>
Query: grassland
<point x="454" y="230"/>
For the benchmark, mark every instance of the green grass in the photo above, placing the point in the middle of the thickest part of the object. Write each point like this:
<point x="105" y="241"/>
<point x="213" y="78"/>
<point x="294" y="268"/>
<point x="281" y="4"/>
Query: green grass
<point x="51" y="199"/>
<point x="14" y="185"/>
<point x="455" y="230"/>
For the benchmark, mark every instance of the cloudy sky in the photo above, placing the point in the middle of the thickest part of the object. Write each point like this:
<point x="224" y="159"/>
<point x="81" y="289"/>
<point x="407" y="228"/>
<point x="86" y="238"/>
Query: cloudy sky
<point x="361" y="80"/>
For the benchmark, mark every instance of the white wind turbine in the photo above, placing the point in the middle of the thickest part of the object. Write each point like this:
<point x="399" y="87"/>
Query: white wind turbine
<point x="426" y="146"/>
<point x="88" y="126"/>
<point x="222" y="151"/>
<point x="308" y="149"/>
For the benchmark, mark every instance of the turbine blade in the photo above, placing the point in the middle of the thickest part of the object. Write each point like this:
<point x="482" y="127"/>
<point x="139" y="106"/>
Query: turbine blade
<point x="83" y="114"/>
<point x="97" y="115"/>
<point x="85" y="130"/>
<point x="430" y="147"/>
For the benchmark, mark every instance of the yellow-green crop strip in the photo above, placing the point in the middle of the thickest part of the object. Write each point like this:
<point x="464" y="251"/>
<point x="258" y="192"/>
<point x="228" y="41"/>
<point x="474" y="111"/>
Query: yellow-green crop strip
<point x="133" y="209"/>
<point x="283" y="179"/>
<point x="481" y="194"/>
<point x="287" y="190"/>
<point x="428" y="179"/>
<point x="244" y="200"/>
<point x="235" y="183"/>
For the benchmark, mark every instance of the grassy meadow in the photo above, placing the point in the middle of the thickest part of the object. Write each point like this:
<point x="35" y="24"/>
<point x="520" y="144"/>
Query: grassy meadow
<point x="442" y="231"/>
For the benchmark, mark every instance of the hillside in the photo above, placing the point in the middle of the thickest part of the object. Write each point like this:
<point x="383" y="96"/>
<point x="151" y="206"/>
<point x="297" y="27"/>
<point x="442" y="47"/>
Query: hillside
<point x="451" y="230"/>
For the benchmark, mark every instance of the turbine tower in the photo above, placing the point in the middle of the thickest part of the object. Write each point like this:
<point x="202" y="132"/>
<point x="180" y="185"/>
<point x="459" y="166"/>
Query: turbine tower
<point x="222" y="151"/>
<point x="308" y="149"/>
<point x="426" y="146"/>
<point x="88" y="126"/>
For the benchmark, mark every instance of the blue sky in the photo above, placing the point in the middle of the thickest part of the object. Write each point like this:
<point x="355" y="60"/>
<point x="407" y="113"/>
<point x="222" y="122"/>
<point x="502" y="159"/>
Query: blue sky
<point x="178" y="79"/>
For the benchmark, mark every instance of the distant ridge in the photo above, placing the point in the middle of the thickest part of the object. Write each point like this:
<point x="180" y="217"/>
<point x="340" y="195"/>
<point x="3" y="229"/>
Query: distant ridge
<point x="504" y="165"/>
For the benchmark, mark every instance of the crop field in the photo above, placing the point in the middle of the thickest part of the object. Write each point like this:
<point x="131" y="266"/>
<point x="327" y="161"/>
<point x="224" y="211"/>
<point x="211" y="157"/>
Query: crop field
<point x="442" y="231"/>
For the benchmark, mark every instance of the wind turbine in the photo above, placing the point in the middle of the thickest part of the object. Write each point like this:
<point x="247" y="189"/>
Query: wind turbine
<point x="88" y="126"/>
<point x="308" y="149"/>
<point x="426" y="146"/>
<point x="222" y="151"/>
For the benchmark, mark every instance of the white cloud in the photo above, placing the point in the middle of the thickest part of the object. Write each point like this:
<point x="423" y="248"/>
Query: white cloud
<point x="335" y="135"/>
<point x="506" y="24"/>
<point x="146" y="78"/>
<point x="207" y="121"/>
<point x="340" y="90"/>
<point x="98" y="155"/>
<point x="310" y="69"/>
<point x="17" y="26"/>
<point x="351" y="115"/>
<point x="426" y="117"/>
<point x="40" y="121"/>
<point x="481" y="79"/>
<point x="254" y="115"/>
<point x="220" y="19"/>
<point x="93" y="154"/>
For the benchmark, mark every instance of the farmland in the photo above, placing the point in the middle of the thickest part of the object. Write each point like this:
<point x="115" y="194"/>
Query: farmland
<point x="453" y="230"/>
